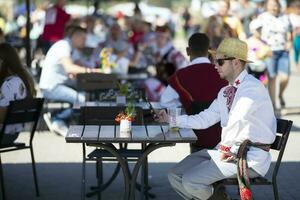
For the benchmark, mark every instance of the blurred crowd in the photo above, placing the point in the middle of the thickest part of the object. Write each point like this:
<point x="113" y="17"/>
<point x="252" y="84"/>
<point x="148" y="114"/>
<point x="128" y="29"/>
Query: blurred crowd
<point x="131" y="44"/>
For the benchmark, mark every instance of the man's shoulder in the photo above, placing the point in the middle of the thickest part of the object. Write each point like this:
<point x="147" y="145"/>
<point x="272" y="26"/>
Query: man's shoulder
<point x="59" y="47"/>
<point x="201" y="70"/>
<point x="203" y="73"/>
<point x="62" y="42"/>
<point x="199" y="67"/>
<point x="253" y="83"/>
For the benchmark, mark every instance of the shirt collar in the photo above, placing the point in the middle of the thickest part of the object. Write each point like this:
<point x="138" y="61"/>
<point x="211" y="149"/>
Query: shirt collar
<point x="200" y="60"/>
<point x="240" y="78"/>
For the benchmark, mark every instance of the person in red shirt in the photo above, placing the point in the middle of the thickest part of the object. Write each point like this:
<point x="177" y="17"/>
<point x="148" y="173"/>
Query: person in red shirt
<point x="55" y="21"/>
<point x="195" y="87"/>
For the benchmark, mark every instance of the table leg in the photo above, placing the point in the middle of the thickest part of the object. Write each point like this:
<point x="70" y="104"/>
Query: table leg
<point x="112" y="149"/>
<point x="151" y="147"/>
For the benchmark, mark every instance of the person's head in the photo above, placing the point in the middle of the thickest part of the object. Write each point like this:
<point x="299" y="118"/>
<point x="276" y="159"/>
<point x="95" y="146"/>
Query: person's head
<point x="273" y="7"/>
<point x="61" y="3"/>
<point x="224" y="7"/>
<point x="77" y="36"/>
<point x="296" y="7"/>
<point x="198" y="45"/>
<point x="163" y="34"/>
<point x="120" y="48"/>
<point x="231" y="58"/>
<point x="90" y="23"/>
<point x="10" y="64"/>
<point x="115" y="31"/>
<point x="147" y="26"/>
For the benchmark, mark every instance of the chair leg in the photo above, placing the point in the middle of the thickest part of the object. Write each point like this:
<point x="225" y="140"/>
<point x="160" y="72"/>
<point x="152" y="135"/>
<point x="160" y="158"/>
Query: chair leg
<point x="99" y="176"/>
<point x="142" y="188"/>
<point x="275" y="190"/>
<point x="34" y="172"/>
<point x="145" y="179"/>
<point x="144" y="175"/>
<point x="83" y="173"/>
<point x="2" y="180"/>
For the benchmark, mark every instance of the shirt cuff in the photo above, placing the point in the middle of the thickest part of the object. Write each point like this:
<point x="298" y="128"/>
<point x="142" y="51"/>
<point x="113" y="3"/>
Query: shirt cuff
<point x="181" y="121"/>
<point x="234" y="149"/>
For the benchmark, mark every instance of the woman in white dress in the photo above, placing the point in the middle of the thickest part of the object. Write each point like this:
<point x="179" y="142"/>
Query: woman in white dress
<point x="15" y="83"/>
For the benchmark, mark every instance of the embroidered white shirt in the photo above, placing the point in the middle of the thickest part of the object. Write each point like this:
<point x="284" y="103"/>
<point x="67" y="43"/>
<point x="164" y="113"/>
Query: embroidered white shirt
<point x="251" y="117"/>
<point x="13" y="88"/>
<point x="170" y="97"/>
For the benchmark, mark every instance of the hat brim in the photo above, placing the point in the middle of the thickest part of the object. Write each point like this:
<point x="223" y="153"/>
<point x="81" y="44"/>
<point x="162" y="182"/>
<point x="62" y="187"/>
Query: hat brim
<point x="214" y="52"/>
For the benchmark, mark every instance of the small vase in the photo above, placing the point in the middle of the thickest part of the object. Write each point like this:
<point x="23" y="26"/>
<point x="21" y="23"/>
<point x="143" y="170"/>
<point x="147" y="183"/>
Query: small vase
<point x="125" y="126"/>
<point x="120" y="100"/>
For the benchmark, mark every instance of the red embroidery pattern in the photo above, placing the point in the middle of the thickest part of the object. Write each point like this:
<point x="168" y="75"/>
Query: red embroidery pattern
<point x="237" y="82"/>
<point x="224" y="148"/>
<point x="229" y="93"/>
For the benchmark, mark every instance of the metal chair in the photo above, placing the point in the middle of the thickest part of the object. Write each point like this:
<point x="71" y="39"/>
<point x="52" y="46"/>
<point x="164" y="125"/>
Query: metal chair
<point x="92" y="83"/>
<point x="21" y="112"/>
<point x="283" y="131"/>
<point x="105" y="116"/>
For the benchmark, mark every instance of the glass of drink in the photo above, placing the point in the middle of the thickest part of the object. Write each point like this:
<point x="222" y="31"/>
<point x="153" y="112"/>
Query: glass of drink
<point x="173" y="113"/>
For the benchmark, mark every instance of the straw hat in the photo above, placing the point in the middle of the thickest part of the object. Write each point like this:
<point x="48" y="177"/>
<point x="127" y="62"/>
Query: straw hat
<point x="233" y="47"/>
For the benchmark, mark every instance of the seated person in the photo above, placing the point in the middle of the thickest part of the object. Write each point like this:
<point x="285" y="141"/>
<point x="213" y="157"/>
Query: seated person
<point x="246" y="113"/>
<point x="57" y="69"/>
<point x="195" y="87"/>
<point x="168" y="58"/>
<point x="118" y="57"/>
<point x="15" y="83"/>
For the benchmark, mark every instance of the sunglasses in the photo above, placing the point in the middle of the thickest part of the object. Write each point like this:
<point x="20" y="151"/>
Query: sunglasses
<point x="221" y="61"/>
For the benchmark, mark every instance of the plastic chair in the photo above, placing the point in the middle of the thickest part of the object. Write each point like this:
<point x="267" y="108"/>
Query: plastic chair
<point x="283" y="131"/>
<point x="21" y="112"/>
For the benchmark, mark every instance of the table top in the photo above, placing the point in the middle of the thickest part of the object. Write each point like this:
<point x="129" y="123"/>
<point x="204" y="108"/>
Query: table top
<point x="139" y="133"/>
<point x="143" y="105"/>
<point x="135" y="76"/>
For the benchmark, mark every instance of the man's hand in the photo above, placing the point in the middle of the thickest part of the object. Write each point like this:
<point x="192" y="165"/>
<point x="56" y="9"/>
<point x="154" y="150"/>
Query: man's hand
<point x="162" y="116"/>
<point x="227" y="156"/>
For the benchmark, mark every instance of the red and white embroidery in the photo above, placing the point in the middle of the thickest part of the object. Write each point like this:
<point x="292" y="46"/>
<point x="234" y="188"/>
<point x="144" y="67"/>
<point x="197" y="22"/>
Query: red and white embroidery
<point x="229" y="93"/>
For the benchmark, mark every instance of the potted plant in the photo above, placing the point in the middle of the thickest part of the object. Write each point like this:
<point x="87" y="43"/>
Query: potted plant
<point x="126" y="118"/>
<point x="122" y="94"/>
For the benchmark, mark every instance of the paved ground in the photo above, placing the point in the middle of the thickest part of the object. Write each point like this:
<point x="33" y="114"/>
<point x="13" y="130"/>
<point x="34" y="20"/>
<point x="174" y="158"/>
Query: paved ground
<point x="59" y="166"/>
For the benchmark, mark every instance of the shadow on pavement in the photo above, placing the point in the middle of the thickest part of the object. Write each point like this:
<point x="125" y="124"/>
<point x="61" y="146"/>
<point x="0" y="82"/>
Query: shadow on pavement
<point x="62" y="181"/>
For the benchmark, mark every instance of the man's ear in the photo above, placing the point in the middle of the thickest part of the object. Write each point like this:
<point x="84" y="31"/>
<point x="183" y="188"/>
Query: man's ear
<point x="187" y="51"/>
<point x="236" y="63"/>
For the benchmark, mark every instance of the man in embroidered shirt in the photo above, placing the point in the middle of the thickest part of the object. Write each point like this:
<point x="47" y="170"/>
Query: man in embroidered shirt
<point x="195" y="87"/>
<point x="245" y="112"/>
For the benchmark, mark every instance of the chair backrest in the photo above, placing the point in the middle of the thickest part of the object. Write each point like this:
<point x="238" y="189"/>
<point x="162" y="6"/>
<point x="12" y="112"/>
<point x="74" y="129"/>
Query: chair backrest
<point x="283" y="132"/>
<point x="23" y="111"/>
<point x="96" y="81"/>
<point x="106" y="115"/>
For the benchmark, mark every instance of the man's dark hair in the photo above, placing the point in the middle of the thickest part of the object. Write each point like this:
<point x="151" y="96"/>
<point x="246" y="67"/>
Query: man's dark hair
<point x="73" y="29"/>
<point x="199" y="43"/>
